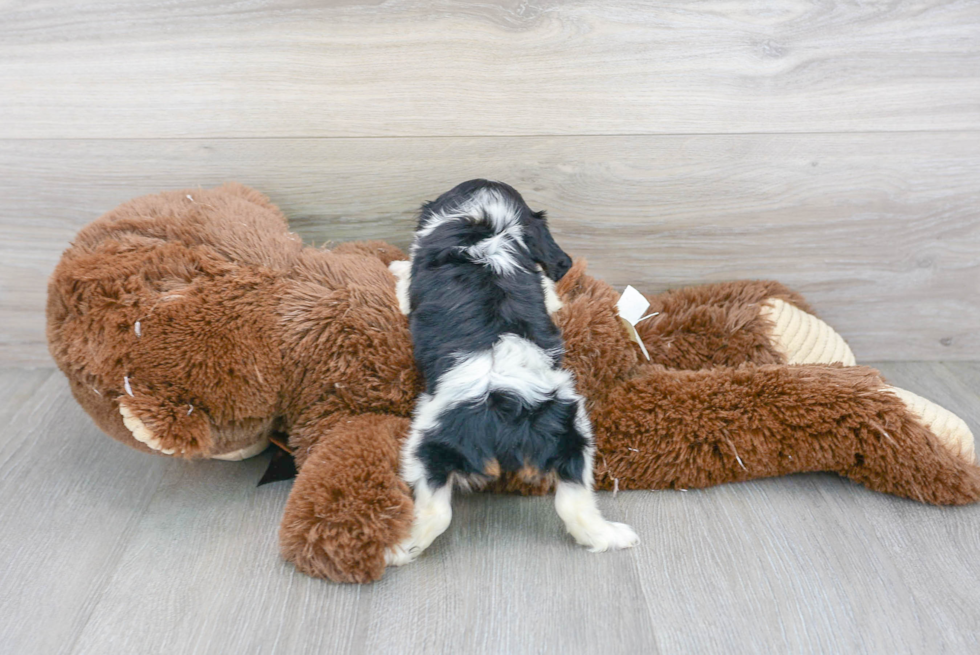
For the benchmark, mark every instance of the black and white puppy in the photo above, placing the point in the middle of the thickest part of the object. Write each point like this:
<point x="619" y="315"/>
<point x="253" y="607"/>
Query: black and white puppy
<point x="480" y="286"/>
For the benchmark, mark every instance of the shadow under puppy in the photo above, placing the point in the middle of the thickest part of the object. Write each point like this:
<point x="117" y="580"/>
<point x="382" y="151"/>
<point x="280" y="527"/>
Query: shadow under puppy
<point x="478" y="291"/>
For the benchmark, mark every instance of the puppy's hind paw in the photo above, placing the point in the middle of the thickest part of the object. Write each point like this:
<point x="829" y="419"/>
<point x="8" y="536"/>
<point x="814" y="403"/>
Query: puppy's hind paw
<point x="613" y="536"/>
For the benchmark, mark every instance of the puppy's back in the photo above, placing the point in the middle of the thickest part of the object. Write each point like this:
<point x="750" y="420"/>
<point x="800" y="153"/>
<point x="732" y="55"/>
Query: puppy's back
<point x="472" y="281"/>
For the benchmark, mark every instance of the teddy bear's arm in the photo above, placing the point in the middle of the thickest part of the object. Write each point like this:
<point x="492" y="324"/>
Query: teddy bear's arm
<point x="348" y="503"/>
<point x="686" y="429"/>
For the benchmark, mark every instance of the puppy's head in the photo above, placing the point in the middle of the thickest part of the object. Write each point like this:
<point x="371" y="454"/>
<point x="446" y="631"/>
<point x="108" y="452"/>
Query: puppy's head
<point x="502" y="211"/>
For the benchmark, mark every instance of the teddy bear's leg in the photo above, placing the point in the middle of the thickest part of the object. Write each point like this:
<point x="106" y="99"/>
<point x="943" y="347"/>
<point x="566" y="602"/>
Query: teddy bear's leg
<point x="348" y="504"/>
<point x="952" y="431"/>
<point x="680" y="429"/>
<point x="801" y="337"/>
<point x="732" y="323"/>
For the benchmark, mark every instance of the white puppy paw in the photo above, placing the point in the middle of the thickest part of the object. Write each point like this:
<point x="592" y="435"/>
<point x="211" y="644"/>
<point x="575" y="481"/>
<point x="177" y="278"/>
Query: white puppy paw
<point x="611" y="536"/>
<point x="576" y="506"/>
<point x="433" y="514"/>
<point x="399" y="556"/>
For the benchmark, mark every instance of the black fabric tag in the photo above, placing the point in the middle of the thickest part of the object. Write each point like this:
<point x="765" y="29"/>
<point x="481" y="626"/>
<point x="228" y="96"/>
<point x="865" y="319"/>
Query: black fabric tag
<point x="282" y="466"/>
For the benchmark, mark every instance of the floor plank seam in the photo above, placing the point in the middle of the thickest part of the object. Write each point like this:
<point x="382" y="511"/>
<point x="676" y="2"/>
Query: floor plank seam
<point x="117" y="557"/>
<point x="528" y="135"/>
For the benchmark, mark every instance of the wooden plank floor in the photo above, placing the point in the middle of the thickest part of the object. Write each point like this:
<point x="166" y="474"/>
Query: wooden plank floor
<point x="106" y="550"/>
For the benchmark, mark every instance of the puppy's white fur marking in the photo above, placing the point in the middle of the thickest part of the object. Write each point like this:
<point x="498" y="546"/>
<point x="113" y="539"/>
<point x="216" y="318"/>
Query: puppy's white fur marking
<point x="485" y="205"/>
<point x="498" y="251"/>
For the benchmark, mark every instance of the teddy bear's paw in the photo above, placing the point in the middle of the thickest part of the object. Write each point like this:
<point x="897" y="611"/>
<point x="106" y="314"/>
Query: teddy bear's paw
<point x="167" y="429"/>
<point x="950" y="429"/>
<point x="803" y="338"/>
<point x="142" y="433"/>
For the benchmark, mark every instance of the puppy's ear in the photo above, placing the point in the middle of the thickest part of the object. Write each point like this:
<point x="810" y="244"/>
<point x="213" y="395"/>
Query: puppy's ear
<point x="544" y="249"/>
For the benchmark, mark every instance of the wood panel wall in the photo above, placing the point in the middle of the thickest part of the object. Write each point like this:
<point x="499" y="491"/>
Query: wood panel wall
<point x="834" y="146"/>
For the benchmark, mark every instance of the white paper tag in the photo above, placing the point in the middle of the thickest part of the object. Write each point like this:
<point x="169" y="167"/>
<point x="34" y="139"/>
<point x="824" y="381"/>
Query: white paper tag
<point x="631" y="307"/>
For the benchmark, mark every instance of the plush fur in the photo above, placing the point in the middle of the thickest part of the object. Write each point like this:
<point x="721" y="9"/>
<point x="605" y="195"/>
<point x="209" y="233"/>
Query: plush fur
<point x="255" y="332"/>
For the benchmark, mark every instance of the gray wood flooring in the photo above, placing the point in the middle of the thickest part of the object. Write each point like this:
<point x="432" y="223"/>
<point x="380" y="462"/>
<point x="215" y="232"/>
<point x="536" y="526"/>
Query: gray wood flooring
<point x="106" y="550"/>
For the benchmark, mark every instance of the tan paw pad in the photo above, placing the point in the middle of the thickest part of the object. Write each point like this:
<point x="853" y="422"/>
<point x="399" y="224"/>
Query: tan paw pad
<point x="244" y="453"/>
<point x="951" y="430"/>
<point x="140" y="432"/>
<point x="803" y="338"/>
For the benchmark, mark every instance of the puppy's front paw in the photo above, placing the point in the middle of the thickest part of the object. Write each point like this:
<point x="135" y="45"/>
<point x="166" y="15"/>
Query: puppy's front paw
<point x="401" y="554"/>
<point x="431" y="520"/>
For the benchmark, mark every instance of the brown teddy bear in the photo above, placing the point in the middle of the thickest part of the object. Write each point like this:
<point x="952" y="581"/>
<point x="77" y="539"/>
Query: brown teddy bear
<point x="194" y="324"/>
